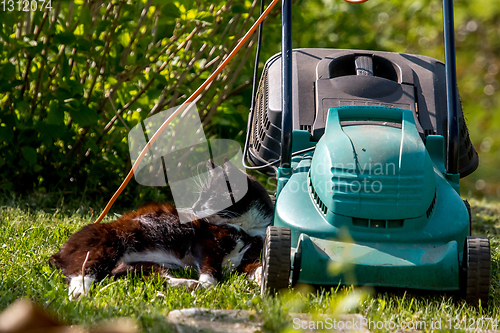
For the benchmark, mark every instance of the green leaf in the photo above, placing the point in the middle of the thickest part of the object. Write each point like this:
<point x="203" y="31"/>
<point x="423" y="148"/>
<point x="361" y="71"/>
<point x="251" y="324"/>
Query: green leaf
<point x="154" y="92"/>
<point x="160" y="78"/>
<point x="7" y="18"/>
<point x="63" y="94"/>
<point x="238" y="9"/>
<point x="85" y="17"/>
<point x="9" y="120"/>
<point x="92" y="145"/>
<point x="53" y="131"/>
<point x="5" y="87"/>
<point x="83" y="44"/>
<point x="101" y="26"/>
<point x="22" y="106"/>
<point x="205" y="16"/>
<point x="75" y="87"/>
<point x="35" y="50"/>
<point x="85" y="116"/>
<point x="8" y="71"/>
<point x="165" y="30"/>
<point x="66" y="38"/>
<point x="16" y="83"/>
<point x="6" y="134"/>
<point x="64" y="66"/>
<point x="159" y="2"/>
<point x="124" y="38"/>
<point x="170" y="11"/>
<point x="55" y="114"/>
<point x="98" y="42"/>
<point x="29" y="155"/>
<point x="6" y="185"/>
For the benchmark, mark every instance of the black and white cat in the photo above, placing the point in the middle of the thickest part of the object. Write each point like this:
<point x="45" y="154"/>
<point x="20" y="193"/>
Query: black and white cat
<point x="154" y="240"/>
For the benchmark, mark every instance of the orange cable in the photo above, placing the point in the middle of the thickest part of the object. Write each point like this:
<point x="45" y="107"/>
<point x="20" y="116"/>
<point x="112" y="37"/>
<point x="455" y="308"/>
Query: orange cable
<point x="182" y="107"/>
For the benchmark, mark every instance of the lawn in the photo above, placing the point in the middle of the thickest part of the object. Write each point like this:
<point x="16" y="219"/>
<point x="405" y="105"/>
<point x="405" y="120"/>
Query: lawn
<point x="29" y="236"/>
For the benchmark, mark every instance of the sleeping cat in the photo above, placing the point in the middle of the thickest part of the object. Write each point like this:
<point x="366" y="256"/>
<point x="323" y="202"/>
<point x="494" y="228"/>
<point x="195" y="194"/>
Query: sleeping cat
<point x="153" y="240"/>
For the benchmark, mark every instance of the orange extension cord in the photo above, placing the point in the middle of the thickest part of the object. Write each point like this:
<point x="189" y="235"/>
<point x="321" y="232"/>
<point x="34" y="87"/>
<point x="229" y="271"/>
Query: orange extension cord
<point x="182" y="107"/>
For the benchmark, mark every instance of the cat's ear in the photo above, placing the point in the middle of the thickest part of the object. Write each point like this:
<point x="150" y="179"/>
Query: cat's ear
<point x="211" y="167"/>
<point x="56" y="260"/>
<point x="237" y="178"/>
<point x="230" y="168"/>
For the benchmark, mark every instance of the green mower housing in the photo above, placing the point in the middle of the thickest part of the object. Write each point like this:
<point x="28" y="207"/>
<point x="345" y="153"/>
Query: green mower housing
<point x="366" y="199"/>
<point x="377" y="200"/>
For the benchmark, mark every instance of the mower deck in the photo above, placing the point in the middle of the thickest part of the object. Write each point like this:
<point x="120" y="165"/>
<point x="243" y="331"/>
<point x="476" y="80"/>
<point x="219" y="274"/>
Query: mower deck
<point x="432" y="266"/>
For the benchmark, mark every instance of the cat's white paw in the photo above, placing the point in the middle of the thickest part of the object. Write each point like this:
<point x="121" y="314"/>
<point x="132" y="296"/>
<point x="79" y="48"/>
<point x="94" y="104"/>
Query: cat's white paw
<point x="79" y="286"/>
<point x="207" y="281"/>
<point x="257" y="275"/>
<point x="190" y="284"/>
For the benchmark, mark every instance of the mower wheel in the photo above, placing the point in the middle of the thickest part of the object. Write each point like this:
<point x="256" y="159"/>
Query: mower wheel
<point x="276" y="260"/>
<point x="476" y="270"/>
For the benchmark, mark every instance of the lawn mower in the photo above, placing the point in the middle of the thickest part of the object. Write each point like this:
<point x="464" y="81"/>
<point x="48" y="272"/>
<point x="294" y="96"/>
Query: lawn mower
<point x="371" y="146"/>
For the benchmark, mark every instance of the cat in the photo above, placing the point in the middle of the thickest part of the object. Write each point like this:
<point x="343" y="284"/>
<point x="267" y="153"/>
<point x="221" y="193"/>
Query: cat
<point x="154" y="240"/>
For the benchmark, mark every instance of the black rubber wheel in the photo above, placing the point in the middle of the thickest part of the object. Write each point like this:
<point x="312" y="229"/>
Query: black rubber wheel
<point x="276" y="260"/>
<point x="476" y="270"/>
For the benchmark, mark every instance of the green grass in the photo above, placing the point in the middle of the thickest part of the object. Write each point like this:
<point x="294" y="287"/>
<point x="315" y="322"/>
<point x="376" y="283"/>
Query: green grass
<point x="28" y="237"/>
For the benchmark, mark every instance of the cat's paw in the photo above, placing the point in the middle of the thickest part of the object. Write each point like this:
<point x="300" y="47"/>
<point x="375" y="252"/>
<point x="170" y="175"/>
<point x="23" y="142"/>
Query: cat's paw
<point x="189" y="284"/>
<point x="257" y="275"/>
<point x="79" y="286"/>
<point x="207" y="281"/>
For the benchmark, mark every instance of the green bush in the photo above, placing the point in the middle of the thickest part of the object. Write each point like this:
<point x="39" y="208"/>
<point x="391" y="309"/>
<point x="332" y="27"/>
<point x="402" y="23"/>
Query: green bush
<point x="74" y="78"/>
<point x="64" y="71"/>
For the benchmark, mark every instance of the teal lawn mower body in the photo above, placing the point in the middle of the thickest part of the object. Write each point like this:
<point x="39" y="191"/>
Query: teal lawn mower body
<point x="371" y="148"/>
<point x="387" y="212"/>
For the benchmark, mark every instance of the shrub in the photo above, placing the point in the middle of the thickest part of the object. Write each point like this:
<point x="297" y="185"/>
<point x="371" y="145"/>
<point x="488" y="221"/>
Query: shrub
<point x="76" y="76"/>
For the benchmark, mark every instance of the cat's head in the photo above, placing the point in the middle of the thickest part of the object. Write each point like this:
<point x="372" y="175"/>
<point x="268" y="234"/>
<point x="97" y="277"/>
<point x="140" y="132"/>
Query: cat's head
<point x="229" y="193"/>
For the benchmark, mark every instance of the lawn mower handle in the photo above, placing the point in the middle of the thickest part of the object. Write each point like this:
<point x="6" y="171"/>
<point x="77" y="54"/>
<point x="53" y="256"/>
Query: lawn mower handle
<point x="286" y="86"/>
<point x="451" y="85"/>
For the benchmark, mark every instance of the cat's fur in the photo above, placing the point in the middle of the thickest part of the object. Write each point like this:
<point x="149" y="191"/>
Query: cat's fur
<point x="153" y="239"/>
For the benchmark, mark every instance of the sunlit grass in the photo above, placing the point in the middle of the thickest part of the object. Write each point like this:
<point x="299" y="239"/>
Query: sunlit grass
<point x="29" y="237"/>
